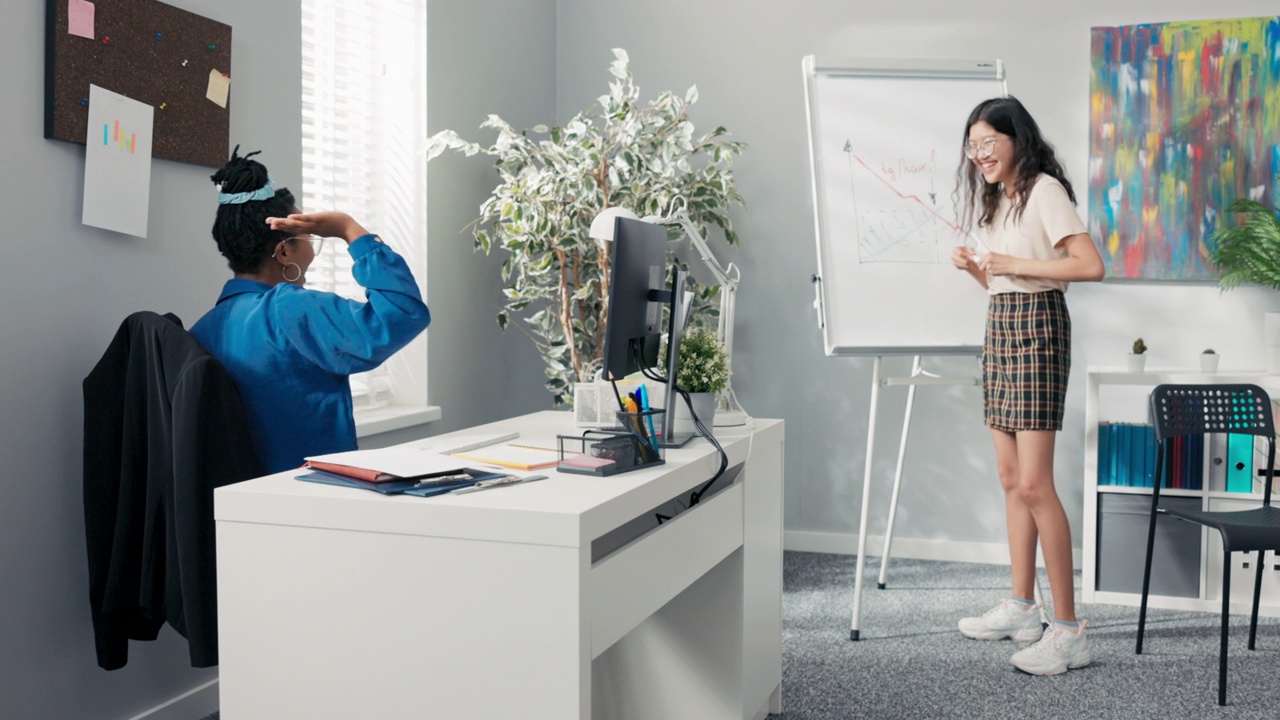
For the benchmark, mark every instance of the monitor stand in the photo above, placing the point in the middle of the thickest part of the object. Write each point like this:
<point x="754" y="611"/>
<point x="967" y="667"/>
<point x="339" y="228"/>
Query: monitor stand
<point x="676" y="440"/>
<point x="680" y="304"/>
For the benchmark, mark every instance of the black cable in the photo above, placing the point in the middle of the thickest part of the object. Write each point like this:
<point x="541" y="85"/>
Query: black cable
<point x="697" y="424"/>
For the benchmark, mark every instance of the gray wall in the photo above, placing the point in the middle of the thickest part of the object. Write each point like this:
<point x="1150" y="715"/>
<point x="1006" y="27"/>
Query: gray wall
<point x="66" y="287"/>
<point x="483" y="57"/>
<point x="745" y="59"/>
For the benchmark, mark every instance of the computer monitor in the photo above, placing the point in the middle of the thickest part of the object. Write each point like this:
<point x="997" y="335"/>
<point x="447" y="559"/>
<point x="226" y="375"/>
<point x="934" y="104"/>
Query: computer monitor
<point x="638" y="274"/>
<point x="637" y="295"/>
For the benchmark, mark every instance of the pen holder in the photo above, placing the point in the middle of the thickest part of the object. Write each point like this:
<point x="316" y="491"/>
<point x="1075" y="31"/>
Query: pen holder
<point x="611" y="451"/>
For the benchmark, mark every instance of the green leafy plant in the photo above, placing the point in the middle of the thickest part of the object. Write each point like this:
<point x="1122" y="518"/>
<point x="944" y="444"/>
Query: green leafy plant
<point x="1139" y="347"/>
<point x="1248" y="252"/>
<point x="703" y="364"/>
<point x="553" y="181"/>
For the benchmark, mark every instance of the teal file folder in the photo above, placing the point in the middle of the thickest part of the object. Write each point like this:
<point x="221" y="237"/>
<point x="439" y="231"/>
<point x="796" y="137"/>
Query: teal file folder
<point x="1240" y="463"/>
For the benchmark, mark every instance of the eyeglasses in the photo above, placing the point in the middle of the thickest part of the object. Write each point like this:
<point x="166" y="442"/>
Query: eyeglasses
<point x="982" y="149"/>
<point x="317" y="243"/>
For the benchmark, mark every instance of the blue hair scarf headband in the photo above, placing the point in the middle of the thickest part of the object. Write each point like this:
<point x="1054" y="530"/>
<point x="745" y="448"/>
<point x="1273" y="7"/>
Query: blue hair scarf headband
<point x="266" y="192"/>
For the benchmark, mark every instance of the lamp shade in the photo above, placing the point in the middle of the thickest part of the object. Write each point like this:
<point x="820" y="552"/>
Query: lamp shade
<point x="602" y="226"/>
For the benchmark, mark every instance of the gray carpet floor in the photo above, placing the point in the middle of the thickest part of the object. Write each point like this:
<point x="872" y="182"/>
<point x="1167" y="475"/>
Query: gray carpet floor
<point x="911" y="663"/>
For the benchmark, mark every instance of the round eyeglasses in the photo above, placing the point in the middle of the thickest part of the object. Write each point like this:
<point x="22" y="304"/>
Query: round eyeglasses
<point x="981" y="149"/>
<point x="317" y="243"/>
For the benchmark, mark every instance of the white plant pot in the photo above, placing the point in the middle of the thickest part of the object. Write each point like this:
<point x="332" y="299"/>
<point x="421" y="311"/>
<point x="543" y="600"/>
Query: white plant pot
<point x="704" y="404"/>
<point x="1208" y="362"/>
<point x="1137" y="362"/>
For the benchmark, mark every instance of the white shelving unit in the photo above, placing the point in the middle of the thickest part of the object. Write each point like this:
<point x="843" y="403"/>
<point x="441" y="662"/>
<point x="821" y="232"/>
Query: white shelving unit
<point x="1210" y="599"/>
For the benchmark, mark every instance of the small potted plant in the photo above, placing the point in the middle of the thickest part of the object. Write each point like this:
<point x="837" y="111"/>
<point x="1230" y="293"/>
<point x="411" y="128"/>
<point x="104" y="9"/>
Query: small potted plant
<point x="1138" y="358"/>
<point x="702" y="371"/>
<point x="1208" y="361"/>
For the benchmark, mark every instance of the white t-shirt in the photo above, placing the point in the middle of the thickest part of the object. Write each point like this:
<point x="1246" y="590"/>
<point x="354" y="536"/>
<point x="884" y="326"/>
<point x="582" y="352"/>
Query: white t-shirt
<point x="1048" y="219"/>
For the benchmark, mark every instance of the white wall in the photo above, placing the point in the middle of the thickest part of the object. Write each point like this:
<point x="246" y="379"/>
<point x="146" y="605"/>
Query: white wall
<point x="745" y="59"/>
<point x="66" y="288"/>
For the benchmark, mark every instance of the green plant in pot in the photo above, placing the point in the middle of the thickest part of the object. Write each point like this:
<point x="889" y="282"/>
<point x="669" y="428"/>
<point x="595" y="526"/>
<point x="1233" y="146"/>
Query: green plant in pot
<point x="553" y="181"/>
<point x="1249" y="252"/>
<point x="702" y="370"/>
<point x="1138" y="358"/>
<point x="1208" y="361"/>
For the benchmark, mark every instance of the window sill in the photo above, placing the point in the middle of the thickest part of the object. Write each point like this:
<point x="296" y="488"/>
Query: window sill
<point x="393" y="417"/>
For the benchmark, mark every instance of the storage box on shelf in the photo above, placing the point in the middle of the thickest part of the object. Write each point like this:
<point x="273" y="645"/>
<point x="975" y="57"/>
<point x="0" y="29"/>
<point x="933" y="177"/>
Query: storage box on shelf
<point x="1186" y="567"/>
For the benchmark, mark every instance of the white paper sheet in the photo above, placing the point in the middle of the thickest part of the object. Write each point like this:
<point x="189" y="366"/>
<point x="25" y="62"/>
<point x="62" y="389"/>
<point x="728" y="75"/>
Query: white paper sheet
<point x="405" y="462"/>
<point x="117" y="162"/>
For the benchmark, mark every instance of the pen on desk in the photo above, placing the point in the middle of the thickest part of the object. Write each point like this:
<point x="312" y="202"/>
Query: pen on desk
<point x="442" y="479"/>
<point x="497" y="482"/>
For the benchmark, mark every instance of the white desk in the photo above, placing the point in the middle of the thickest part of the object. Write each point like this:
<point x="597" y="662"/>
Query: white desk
<point x="558" y="599"/>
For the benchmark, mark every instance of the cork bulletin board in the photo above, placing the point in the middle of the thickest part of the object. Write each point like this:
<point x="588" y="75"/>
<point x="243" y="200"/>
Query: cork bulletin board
<point x="148" y="51"/>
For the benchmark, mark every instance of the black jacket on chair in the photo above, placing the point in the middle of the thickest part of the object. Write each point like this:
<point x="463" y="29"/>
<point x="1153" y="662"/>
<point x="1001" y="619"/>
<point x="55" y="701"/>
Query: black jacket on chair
<point x="163" y="427"/>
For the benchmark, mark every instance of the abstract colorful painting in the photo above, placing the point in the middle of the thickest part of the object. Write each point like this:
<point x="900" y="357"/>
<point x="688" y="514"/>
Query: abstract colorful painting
<point x="1184" y="119"/>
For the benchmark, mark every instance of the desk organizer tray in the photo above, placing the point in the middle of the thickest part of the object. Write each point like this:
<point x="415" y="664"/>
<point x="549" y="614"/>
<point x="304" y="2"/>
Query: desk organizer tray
<point x="610" y="451"/>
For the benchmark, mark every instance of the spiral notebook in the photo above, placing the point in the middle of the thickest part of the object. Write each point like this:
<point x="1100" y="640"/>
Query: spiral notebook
<point x="526" y="455"/>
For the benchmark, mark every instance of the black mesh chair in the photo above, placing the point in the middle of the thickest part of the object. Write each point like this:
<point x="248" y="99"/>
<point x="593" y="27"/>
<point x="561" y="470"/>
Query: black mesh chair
<point x="1178" y="410"/>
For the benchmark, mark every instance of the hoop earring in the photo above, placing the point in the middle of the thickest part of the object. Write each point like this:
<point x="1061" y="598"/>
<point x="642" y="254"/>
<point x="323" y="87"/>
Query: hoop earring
<point x="295" y="278"/>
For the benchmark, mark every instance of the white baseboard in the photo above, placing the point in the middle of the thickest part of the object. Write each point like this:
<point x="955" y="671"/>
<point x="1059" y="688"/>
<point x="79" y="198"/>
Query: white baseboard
<point x="193" y="704"/>
<point x="906" y="548"/>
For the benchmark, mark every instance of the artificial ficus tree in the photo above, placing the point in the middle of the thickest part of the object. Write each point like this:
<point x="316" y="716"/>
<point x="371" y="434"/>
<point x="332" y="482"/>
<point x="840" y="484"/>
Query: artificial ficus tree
<point x="553" y="181"/>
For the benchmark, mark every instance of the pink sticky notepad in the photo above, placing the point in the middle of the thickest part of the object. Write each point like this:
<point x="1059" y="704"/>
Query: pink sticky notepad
<point x="80" y="18"/>
<point x="586" y="461"/>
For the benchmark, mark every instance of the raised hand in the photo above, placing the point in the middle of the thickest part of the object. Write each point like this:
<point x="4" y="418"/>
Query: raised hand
<point x="328" y="223"/>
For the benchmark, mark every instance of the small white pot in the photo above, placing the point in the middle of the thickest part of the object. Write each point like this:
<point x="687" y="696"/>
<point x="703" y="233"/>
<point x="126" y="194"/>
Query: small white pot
<point x="1208" y="362"/>
<point x="1137" y="361"/>
<point x="704" y="404"/>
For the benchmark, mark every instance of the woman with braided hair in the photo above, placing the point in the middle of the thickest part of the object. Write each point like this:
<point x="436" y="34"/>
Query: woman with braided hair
<point x="289" y="349"/>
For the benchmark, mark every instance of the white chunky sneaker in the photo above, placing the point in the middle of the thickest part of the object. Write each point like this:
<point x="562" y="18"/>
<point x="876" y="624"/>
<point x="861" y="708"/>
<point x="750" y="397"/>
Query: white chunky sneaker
<point x="1009" y="619"/>
<point x="1060" y="649"/>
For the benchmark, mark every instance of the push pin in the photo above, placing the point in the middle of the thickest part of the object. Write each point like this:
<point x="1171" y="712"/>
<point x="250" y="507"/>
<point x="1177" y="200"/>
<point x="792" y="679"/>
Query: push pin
<point x="213" y="47"/>
<point x="184" y="63"/>
<point x="162" y="105"/>
<point x="84" y="101"/>
<point x="159" y="36"/>
<point x="106" y="40"/>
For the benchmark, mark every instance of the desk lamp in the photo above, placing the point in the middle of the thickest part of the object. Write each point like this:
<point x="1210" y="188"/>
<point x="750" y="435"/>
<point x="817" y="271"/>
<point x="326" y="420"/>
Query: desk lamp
<point x="728" y="411"/>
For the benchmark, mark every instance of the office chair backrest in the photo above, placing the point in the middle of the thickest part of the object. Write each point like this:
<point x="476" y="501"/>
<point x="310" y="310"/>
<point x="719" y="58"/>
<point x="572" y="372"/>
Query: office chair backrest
<point x="1198" y="409"/>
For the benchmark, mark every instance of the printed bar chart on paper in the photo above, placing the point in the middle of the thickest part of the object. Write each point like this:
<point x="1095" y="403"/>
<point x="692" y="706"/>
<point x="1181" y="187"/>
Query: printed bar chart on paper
<point x="117" y="165"/>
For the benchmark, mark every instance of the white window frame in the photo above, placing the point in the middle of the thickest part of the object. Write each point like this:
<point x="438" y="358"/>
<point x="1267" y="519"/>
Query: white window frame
<point x="363" y="120"/>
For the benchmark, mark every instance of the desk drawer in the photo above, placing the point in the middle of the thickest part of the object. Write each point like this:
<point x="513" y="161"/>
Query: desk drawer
<point x="635" y="581"/>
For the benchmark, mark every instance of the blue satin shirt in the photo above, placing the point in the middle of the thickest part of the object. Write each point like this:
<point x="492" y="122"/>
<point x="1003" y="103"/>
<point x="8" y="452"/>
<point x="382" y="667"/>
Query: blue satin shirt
<point x="290" y="350"/>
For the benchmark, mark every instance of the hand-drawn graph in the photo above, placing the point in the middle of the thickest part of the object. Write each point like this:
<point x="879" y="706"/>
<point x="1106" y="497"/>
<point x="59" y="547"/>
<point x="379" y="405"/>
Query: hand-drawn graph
<point x="886" y="139"/>
<point x="903" y="216"/>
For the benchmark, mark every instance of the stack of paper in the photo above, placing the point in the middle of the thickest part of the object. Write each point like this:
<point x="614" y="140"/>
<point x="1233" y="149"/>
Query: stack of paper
<point x="525" y="455"/>
<point x="386" y="464"/>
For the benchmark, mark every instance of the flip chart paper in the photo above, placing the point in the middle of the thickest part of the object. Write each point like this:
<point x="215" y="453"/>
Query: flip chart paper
<point x="117" y="162"/>
<point x="219" y="86"/>
<point x="80" y="18"/>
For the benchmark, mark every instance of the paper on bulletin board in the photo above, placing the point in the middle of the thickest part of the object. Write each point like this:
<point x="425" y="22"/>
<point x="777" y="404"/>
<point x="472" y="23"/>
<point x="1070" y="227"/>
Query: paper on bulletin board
<point x="80" y="18"/>
<point x="117" y="162"/>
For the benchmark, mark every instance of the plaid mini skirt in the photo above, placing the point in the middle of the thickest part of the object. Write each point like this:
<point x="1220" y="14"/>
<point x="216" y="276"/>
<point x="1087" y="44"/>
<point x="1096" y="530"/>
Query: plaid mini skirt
<point x="1025" y="361"/>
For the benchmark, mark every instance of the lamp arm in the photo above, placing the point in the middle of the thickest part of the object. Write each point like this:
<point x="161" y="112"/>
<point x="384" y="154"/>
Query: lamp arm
<point x="722" y="273"/>
<point x="727" y="277"/>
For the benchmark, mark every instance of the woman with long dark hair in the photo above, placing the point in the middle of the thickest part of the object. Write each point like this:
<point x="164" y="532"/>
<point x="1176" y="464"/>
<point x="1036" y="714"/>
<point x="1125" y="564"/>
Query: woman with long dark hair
<point x="1034" y="245"/>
